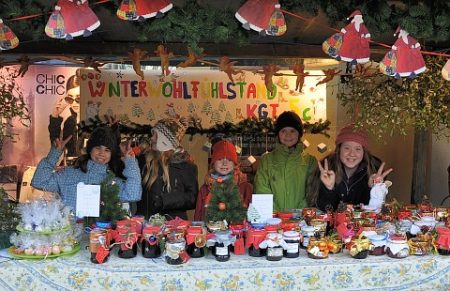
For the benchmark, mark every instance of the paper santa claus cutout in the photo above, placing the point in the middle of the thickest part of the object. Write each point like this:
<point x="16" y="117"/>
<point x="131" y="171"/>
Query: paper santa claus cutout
<point x="143" y="9"/>
<point x="404" y="59"/>
<point x="70" y="19"/>
<point x="352" y="43"/>
<point x="263" y="16"/>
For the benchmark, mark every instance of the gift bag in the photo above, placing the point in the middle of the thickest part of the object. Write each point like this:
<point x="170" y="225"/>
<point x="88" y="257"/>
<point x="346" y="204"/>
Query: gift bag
<point x="332" y="45"/>
<point x="388" y="65"/>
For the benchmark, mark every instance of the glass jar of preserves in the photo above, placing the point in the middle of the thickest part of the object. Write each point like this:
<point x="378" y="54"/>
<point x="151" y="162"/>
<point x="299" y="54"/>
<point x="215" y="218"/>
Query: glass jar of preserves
<point x="379" y="242"/>
<point x="221" y="242"/>
<point x="127" y="238"/>
<point x="292" y="239"/>
<point x="98" y="245"/>
<point x="196" y="241"/>
<point x="307" y="233"/>
<point x="175" y="253"/>
<point x="254" y="238"/>
<point x="274" y="245"/>
<point x="397" y="246"/>
<point x="443" y="241"/>
<point x="150" y="241"/>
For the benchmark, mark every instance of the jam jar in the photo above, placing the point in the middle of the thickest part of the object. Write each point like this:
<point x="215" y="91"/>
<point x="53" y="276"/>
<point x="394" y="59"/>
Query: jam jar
<point x="378" y="241"/>
<point x="292" y="239"/>
<point x="175" y="251"/>
<point x="221" y="243"/>
<point x="443" y="241"/>
<point x="307" y="233"/>
<point x="196" y="241"/>
<point x="254" y="238"/>
<point x="97" y="243"/>
<point x="274" y="244"/>
<point x="127" y="238"/>
<point x="397" y="246"/>
<point x="150" y="241"/>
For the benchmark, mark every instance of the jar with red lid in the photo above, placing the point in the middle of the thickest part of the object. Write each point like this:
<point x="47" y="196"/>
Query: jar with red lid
<point x="254" y="238"/>
<point x="196" y="241"/>
<point x="127" y="238"/>
<point x="151" y="241"/>
<point x="98" y="245"/>
<point x="443" y="241"/>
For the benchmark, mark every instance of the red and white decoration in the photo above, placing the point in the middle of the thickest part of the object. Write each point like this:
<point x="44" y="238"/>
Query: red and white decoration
<point x="143" y="9"/>
<point x="405" y="58"/>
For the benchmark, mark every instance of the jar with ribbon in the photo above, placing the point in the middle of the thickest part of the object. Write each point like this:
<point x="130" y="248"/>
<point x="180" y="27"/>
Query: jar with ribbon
<point x="320" y="226"/>
<point x="379" y="242"/>
<point x="175" y="253"/>
<point x="420" y="245"/>
<point x="292" y="239"/>
<point x="274" y="245"/>
<point x="221" y="242"/>
<point x="317" y="248"/>
<point x="196" y="241"/>
<point x="309" y="213"/>
<point x="397" y="246"/>
<point x="254" y="238"/>
<point x="238" y="230"/>
<point x="126" y="237"/>
<point x="98" y="245"/>
<point x="150" y="245"/>
<point x="359" y="247"/>
<point x="443" y="241"/>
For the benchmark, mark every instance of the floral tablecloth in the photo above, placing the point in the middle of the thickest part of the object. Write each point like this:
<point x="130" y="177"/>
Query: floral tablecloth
<point x="339" y="271"/>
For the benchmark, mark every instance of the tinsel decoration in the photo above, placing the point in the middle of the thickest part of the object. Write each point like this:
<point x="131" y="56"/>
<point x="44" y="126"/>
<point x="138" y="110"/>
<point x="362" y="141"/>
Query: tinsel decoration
<point x="256" y="14"/>
<point x="446" y="71"/>
<point x="8" y="40"/>
<point x="404" y="59"/>
<point x="55" y="25"/>
<point x="277" y="23"/>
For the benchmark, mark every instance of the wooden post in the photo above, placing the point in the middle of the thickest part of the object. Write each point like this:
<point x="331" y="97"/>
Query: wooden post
<point x="420" y="157"/>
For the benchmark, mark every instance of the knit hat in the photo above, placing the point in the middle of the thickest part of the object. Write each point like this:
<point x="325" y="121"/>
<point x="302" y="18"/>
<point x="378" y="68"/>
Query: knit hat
<point x="224" y="149"/>
<point x="349" y="133"/>
<point x="170" y="133"/>
<point x="103" y="136"/>
<point x="289" y="119"/>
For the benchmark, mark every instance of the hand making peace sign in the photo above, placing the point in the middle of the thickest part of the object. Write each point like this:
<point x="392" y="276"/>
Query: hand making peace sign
<point x="328" y="177"/>
<point x="378" y="177"/>
<point x="60" y="143"/>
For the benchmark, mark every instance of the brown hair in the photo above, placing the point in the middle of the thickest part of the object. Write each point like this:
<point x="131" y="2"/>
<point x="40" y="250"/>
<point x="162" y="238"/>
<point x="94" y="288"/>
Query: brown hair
<point x="153" y="160"/>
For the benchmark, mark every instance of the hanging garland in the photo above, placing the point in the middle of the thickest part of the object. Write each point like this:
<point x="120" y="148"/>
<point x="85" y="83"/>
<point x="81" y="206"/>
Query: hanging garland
<point x="382" y="104"/>
<point x="248" y="127"/>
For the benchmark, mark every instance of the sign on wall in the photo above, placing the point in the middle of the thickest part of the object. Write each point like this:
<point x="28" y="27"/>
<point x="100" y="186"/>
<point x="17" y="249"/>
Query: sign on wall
<point x="205" y="94"/>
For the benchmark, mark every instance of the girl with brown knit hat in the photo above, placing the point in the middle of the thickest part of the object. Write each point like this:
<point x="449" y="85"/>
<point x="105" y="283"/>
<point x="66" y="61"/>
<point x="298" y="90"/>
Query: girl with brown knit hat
<point x="348" y="174"/>
<point x="169" y="177"/>
<point x="224" y="166"/>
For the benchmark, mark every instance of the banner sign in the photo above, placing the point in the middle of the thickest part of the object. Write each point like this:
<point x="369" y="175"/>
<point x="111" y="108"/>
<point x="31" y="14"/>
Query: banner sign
<point x="206" y="94"/>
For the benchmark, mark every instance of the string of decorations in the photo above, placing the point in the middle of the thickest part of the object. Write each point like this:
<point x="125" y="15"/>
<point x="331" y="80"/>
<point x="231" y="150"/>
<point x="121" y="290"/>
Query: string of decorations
<point x="248" y="127"/>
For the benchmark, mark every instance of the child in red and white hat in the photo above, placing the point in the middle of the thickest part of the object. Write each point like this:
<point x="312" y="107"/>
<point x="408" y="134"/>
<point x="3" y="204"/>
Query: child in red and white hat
<point x="224" y="166"/>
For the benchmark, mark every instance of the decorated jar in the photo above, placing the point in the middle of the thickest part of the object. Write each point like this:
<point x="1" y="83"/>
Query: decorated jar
<point x="139" y="223"/>
<point x="441" y="213"/>
<point x="443" y="241"/>
<point x="292" y="239"/>
<point x="196" y="241"/>
<point x="150" y="244"/>
<point x="317" y="248"/>
<point x="379" y="242"/>
<point x="175" y="253"/>
<point x="127" y="238"/>
<point x="274" y="244"/>
<point x="307" y="233"/>
<point x="98" y="245"/>
<point x="309" y="213"/>
<point x="404" y="214"/>
<point x="359" y="247"/>
<point x="254" y="238"/>
<point x="397" y="246"/>
<point x="320" y="226"/>
<point x="425" y="224"/>
<point x="220" y="243"/>
<point x="420" y="245"/>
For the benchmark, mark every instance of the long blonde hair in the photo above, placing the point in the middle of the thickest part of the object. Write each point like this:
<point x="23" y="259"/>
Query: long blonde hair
<point x="150" y="171"/>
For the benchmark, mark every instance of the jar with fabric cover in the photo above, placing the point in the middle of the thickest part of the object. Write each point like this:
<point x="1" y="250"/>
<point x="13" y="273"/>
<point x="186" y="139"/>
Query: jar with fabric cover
<point x="126" y="237"/>
<point x="359" y="247"/>
<point x="397" y="246"/>
<point x="274" y="245"/>
<point x="98" y="245"/>
<point x="175" y="253"/>
<point x="379" y="242"/>
<point x="150" y="244"/>
<point x="307" y="233"/>
<point x="292" y="239"/>
<point x="221" y="242"/>
<point x="254" y="238"/>
<point x="196" y="241"/>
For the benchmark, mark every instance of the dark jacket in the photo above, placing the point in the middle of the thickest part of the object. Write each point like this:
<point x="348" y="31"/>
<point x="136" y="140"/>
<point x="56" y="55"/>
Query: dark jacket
<point x="183" y="193"/>
<point x="353" y="190"/>
<point x="70" y="128"/>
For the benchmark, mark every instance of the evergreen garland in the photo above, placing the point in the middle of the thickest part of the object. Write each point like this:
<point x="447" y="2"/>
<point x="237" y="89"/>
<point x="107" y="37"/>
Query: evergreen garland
<point x="225" y="203"/>
<point x="193" y="23"/>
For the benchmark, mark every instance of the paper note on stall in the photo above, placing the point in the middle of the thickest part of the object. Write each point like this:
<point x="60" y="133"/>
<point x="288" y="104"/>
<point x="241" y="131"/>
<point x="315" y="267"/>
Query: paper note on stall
<point x="88" y="200"/>
<point x="263" y="203"/>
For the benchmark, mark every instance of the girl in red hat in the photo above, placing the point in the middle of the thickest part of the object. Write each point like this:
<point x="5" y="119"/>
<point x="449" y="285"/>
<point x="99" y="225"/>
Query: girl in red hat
<point x="225" y="166"/>
<point x="348" y="174"/>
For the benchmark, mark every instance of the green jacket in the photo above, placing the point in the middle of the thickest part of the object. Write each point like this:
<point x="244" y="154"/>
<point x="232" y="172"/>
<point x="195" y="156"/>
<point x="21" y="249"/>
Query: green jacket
<point x="284" y="174"/>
